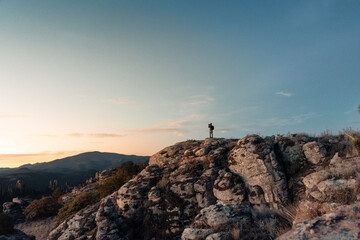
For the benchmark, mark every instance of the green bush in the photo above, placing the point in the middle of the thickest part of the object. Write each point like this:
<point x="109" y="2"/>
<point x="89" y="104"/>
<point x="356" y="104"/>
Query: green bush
<point x="78" y="203"/>
<point x="42" y="208"/>
<point x="6" y="225"/>
<point x="356" y="142"/>
<point x="124" y="173"/>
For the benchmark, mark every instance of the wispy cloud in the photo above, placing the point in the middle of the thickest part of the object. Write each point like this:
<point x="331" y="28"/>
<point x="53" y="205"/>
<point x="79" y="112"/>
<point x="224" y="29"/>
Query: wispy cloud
<point x="199" y="100"/>
<point x="224" y="130"/>
<point x="285" y="94"/>
<point x="353" y="110"/>
<point x="280" y="122"/>
<point x="95" y="135"/>
<point x="178" y="123"/>
<point x="176" y="127"/>
<point x="119" y="101"/>
<point x="175" y="131"/>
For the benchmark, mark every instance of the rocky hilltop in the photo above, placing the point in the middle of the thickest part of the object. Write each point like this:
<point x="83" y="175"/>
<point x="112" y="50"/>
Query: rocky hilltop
<point x="291" y="187"/>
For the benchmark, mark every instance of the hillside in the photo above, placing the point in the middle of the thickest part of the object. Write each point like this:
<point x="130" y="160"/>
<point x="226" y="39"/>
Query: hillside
<point x="85" y="161"/>
<point x="291" y="187"/>
<point x="34" y="179"/>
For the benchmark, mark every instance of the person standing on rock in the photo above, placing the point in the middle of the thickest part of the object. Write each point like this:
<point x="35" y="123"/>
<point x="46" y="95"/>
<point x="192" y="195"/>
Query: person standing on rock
<point x="211" y="130"/>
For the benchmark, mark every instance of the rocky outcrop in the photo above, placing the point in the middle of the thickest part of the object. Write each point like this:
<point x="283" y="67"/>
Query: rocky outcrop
<point x="329" y="188"/>
<point x="254" y="159"/>
<point x="91" y="184"/>
<point x="341" y="224"/>
<point x="80" y="225"/>
<point x="315" y="152"/>
<point x="223" y="189"/>
<point x="16" y="208"/>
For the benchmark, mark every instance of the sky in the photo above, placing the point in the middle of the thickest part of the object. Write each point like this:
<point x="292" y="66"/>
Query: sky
<point x="133" y="77"/>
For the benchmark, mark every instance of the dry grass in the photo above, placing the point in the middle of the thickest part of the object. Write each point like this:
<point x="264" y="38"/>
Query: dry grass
<point x="266" y="224"/>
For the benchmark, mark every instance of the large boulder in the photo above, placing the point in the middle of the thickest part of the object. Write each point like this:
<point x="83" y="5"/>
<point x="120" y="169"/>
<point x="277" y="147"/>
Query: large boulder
<point x="218" y="215"/>
<point x="255" y="161"/>
<point x="315" y="152"/>
<point x="15" y="209"/>
<point x="229" y="187"/>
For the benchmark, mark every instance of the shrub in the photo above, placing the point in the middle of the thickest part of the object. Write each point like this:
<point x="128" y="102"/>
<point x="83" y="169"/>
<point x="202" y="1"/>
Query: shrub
<point x="42" y="208"/>
<point x="124" y="173"/>
<point x="6" y="225"/>
<point x="356" y="142"/>
<point x="354" y="137"/>
<point x="78" y="203"/>
<point x="57" y="193"/>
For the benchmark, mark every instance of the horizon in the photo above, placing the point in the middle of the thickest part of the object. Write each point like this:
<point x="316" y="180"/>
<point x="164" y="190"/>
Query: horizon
<point x="133" y="77"/>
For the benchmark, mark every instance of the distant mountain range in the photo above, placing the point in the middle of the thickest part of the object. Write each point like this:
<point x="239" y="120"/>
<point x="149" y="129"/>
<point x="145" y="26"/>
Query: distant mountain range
<point x="85" y="161"/>
<point x="69" y="171"/>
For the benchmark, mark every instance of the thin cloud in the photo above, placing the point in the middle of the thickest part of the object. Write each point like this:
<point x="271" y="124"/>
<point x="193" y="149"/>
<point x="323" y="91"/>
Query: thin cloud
<point x="178" y="123"/>
<point x="119" y="101"/>
<point x="94" y="135"/>
<point x="175" y="131"/>
<point x="200" y="100"/>
<point x="224" y="130"/>
<point x="285" y="94"/>
<point x="280" y="122"/>
<point x="352" y="110"/>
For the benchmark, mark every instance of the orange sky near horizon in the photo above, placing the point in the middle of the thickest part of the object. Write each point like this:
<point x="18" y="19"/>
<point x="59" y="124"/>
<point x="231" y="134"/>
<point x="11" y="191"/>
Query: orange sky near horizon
<point x="133" y="77"/>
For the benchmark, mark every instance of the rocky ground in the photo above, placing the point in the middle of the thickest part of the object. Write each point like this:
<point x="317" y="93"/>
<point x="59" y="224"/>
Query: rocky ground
<point x="40" y="229"/>
<point x="293" y="187"/>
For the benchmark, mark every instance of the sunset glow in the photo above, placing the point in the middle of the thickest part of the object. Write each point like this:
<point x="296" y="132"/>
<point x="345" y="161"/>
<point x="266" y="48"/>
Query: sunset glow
<point x="133" y="77"/>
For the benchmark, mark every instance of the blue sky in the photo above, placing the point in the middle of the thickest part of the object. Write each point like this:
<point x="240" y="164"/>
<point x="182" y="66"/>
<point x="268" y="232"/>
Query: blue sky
<point x="135" y="76"/>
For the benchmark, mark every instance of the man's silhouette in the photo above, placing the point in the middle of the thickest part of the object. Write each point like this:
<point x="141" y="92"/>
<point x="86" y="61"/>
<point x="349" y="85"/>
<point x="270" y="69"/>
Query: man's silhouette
<point x="211" y="130"/>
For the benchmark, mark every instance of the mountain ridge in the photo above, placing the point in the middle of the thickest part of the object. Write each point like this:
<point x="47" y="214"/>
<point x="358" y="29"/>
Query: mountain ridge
<point x="33" y="179"/>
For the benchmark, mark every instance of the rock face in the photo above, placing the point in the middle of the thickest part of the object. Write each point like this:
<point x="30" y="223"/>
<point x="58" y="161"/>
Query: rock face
<point x="314" y="152"/>
<point x="341" y="224"/>
<point x="255" y="160"/>
<point x="15" y="209"/>
<point x="329" y="188"/>
<point x="223" y="189"/>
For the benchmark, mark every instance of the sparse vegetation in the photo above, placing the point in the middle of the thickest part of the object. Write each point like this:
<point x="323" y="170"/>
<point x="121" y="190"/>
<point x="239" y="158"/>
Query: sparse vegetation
<point x="42" y="208"/>
<point x="78" y="203"/>
<point x="354" y="137"/>
<point x="124" y="173"/>
<point x="6" y="225"/>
